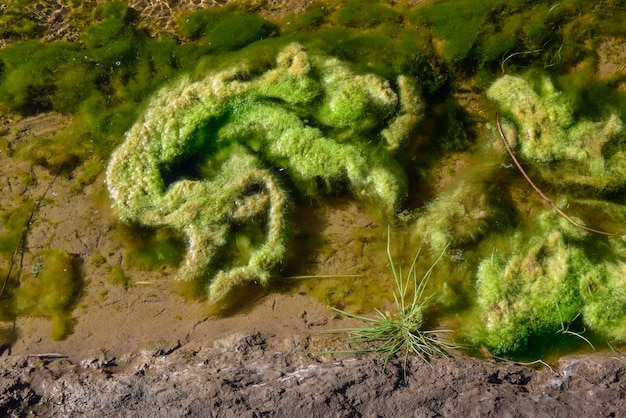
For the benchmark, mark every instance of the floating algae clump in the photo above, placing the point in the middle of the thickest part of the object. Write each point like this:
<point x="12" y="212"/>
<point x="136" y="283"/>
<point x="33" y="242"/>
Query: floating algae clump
<point x="309" y="118"/>
<point x="532" y="289"/>
<point x="565" y="150"/>
<point x="547" y="278"/>
<point x="603" y="291"/>
<point x="551" y="272"/>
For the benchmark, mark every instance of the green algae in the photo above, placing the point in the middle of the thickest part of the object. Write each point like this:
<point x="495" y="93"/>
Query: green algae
<point x="238" y="30"/>
<point x="52" y="288"/>
<point x="225" y="28"/>
<point x="13" y="224"/>
<point x="113" y="69"/>
<point x="531" y="290"/>
<point x="535" y="274"/>
<point x="117" y="65"/>
<point x="51" y="291"/>
<point x="315" y="16"/>
<point x="268" y="117"/>
<point x="569" y="151"/>
<point x="556" y="268"/>
<point x="457" y="24"/>
<point x="117" y="276"/>
<point x="149" y="250"/>
<point x="363" y="14"/>
<point x="14" y="22"/>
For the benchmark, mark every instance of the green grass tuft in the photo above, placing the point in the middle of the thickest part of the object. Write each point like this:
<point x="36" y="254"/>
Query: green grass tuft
<point x="402" y="331"/>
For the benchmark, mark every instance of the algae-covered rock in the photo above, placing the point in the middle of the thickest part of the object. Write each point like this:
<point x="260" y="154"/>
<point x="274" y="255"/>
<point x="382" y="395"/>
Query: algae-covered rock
<point x="310" y="118"/>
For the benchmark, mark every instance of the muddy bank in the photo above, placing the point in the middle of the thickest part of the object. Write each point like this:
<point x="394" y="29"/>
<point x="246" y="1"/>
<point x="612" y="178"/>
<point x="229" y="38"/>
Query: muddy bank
<point x="259" y="374"/>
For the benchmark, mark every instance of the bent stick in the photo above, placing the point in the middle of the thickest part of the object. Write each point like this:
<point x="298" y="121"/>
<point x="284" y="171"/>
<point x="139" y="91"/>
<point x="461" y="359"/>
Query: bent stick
<point x="543" y="196"/>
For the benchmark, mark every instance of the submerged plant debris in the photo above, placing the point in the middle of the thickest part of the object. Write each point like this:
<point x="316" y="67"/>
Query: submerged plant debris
<point x="216" y="124"/>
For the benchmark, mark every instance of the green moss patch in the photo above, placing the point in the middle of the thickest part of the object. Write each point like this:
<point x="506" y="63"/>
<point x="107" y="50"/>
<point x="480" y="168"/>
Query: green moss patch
<point x="14" y="222"/>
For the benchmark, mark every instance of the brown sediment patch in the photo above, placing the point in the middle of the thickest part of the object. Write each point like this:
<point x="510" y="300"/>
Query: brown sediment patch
<point x="612" y="61"/>
<point x="19" y="129"/>
<point x="611" y="57"/>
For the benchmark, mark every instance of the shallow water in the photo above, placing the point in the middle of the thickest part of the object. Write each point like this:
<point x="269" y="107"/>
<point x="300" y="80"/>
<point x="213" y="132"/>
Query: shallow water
<point x="337" y="252"/>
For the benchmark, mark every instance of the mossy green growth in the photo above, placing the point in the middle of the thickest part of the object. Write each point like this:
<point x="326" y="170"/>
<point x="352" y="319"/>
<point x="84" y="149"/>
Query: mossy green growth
<point x="456" y="24"/>
<point x="564" y="149"/>
<point x="7" y="303"/>
<point x="13" y="222"/>
<point x="466" y="209"/>
<point x="547" y="273"/>
<point x="459" y="217"/>
<point x="159" y="250"/>
<point x="544" y="280"/>
<point x="309" y="116"/>
<point x="49" y="153"/>
<point x="195" y="25"/>
<point x="363" y="14"/>
<point x="112" y="9"/>
<point x="311" y="19"/>
<point x="225" y="28"/>
<point x="236" y="31"/>
<point x="499" y="34"/>
<point x="603" y="291"/>
<point x="531" y="288"/>
<point x="117" y="276"/>
<point x="610" y="21"/>
<point x="591" y="97"/>
<point x="536" y="274"/>
<point x="519" y="34"/>
<point x="101" y="81"/>
<point x="15" y="21"/>
<point x="103" y="33"/>
<point x="8" y="335"/>
<point x="50" y="291"/>
<point x="97" y="259"/>
<point x="28" y="85"/>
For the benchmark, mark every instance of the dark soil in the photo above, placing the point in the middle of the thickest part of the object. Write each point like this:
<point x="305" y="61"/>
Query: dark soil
<point x="258" y="374"/>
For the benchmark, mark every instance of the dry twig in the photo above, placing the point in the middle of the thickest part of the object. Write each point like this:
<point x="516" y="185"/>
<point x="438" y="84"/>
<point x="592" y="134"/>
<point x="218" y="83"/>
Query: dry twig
<point x="543" y="196"/>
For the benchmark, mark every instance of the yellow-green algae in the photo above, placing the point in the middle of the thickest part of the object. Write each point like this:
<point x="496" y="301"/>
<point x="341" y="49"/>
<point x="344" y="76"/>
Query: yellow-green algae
<point x="265" y="121"/>
<point x="552" y="273"/>
<point x="565" y="150"/>
<point x="50" y="291"/>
